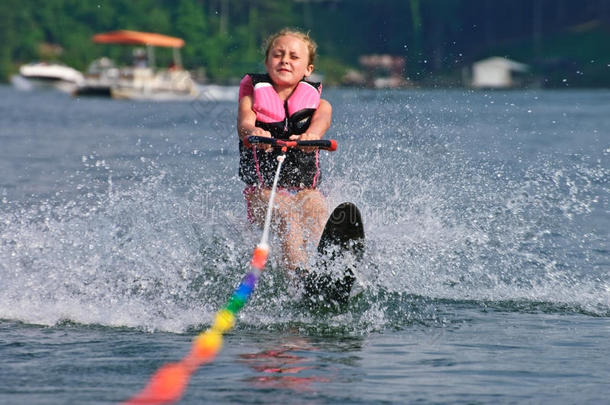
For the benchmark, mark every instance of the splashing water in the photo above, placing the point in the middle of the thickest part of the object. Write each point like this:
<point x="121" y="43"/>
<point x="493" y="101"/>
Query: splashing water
<point x="449" y="219"/>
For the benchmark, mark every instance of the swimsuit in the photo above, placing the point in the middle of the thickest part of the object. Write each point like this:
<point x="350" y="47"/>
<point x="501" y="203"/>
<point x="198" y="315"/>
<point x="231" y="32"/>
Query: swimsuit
<point x="282" y="119"/>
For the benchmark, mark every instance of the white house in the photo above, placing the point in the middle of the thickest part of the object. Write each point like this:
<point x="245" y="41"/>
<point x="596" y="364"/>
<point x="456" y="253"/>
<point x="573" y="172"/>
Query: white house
<point x="496" y="72"/>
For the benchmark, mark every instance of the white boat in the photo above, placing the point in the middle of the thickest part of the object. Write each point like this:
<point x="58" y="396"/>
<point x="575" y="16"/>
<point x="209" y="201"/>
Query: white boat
<point x="53" y="75"/>
<point x="142" y="81"/>
<point x="162" y="85"/>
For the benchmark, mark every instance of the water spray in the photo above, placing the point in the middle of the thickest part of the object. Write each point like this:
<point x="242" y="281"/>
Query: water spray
<point x="168" y="384"/>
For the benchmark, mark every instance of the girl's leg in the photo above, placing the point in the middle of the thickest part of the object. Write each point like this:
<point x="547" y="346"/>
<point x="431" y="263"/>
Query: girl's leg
<point x="304" y="217"/>
<point x="313" y="214"/>
<point x="298" y="219"/>
<point x="291" y="232"/>
<point x="286" y="222"/>
<point x="257" y="199"/>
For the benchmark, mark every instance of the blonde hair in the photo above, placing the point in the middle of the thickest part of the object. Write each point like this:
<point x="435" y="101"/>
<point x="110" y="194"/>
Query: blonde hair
<point x="303" y="36"/>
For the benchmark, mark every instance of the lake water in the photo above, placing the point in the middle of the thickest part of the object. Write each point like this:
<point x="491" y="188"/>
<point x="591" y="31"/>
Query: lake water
<point x="486" y="278"/>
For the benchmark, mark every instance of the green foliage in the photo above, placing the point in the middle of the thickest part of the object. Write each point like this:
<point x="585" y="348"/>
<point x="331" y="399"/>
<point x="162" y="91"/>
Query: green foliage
<point x="574" y="58"/>
<point x="332" y="69"/>
<point x="224" y="36"/>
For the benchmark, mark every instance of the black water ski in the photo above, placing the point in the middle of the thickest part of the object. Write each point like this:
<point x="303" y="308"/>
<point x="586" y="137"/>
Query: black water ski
<point x="343" y="235"/>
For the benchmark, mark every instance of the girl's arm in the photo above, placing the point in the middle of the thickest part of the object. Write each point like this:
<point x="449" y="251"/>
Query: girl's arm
<point x="246" y="120"/>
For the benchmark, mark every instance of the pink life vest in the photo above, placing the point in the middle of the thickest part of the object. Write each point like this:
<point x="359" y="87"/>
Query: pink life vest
<point x="271" y="110"/>
<point x="281" y="119"/>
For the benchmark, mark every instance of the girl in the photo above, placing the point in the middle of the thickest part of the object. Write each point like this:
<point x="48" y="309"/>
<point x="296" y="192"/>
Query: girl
<point x="284" y="105"/>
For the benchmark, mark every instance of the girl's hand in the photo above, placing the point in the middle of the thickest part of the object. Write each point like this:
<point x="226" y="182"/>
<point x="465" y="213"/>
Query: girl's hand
<point x="306" y="136"/>
<point x="256" y="131"/>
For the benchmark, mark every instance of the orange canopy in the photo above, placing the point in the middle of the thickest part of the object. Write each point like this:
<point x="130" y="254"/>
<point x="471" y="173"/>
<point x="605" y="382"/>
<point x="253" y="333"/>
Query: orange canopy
<point x="138" y="38"/>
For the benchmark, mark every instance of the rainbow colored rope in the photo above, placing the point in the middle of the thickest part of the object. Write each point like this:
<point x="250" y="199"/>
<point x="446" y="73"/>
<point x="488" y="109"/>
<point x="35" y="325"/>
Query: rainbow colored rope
<point x="169" y="382"/>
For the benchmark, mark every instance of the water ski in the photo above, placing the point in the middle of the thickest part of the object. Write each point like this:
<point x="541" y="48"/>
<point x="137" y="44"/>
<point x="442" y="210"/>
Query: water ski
<point x="343" y="236"/>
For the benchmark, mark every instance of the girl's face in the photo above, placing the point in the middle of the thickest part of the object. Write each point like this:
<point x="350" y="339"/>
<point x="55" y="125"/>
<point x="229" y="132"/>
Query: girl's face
<point x="288" y="61"/>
